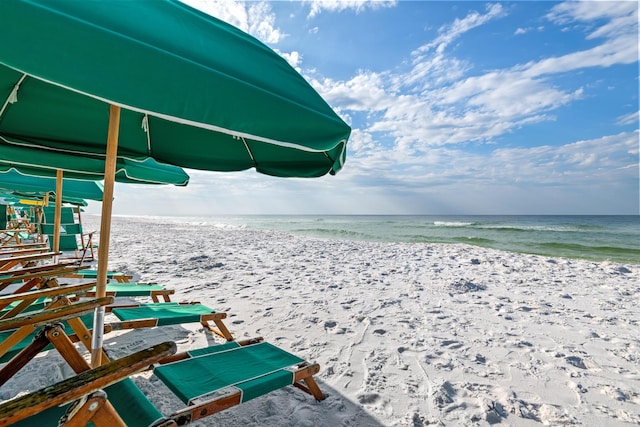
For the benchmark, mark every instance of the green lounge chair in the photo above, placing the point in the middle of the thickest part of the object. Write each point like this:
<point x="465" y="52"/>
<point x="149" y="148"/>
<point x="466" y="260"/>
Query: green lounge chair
<point x="93" y="274"/>
<point x="134" y="289"/>
<point x="208" y="381"/>
<point x="12" y="341"/>
<point x="172" y="313"/>
<point x="69" y="235"/>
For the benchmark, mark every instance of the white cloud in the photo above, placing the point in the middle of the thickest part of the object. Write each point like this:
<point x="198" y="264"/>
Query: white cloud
<point x="364" y="92"/>
<point x="293" y="58"/>
<point x="437" y="103"/>
<point x="629" y="119"/>
<point x="423" y="123"/>
<point x="621" y="16"/>
<point x="255" y="18"/>
<point x="449" y="33"/>
<point x="319" y="6"/>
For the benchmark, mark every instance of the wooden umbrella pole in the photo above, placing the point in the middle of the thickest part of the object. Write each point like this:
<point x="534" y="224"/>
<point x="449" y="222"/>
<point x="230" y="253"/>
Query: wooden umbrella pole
<point x="105" y="231"/>
<point x="57" y="212"/>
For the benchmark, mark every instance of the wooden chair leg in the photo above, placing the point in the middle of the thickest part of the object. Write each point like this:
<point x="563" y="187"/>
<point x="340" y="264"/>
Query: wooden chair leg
<point x="84" y="335"/>
<point x="222" y="330"/>
<point x="25" y="356"/>
<point x="305" y="374"/>
<point x="67" y="350"/>
<point x="93" y="408"/>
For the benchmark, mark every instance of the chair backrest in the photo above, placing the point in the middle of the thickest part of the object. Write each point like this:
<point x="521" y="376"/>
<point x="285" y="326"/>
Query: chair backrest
<point x="74" y="228"/>
<point x="68" y="233"/>
<point x="66" y="215"/>
<point x="46" y="229"/>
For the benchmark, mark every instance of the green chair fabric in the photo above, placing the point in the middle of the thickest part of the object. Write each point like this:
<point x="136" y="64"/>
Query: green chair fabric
<point x="167" y="313"/>
<point x="66" y="215"/>
<point x="3" y="217"/>
<point x="254" y="369"/>
<point x="93" y="274"/>
<point x="133" y="289"/>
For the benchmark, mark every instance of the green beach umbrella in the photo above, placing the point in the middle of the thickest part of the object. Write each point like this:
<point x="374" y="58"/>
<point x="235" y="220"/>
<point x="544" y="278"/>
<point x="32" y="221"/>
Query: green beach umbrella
<point x="138" y="80"/>
<point x="28" y="186"/>
<point x="194" y="91"/>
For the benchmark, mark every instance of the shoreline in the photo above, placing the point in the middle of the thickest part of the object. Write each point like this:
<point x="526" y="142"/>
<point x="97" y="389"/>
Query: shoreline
<point x="542" y="239"/>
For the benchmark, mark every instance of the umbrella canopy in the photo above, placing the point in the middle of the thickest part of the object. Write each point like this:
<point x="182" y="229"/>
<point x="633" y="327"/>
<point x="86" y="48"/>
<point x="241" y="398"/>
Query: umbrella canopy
<point x="45" y="163"/>
<point x="132" y="81"/>
<point x="195" y="92"/>
<point x="29" y="186"/>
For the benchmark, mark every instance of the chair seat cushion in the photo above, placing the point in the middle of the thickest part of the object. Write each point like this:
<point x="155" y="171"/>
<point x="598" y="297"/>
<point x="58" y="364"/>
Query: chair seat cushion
<point x="167" y="313"/>
<point x="254" y="369"/>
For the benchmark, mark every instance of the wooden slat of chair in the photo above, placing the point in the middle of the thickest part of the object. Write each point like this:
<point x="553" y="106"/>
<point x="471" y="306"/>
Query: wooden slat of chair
<point x="23" y="245"/>
<point x="6" y="275"/>
<point x="10" y="251"/>
<point x="34" y="276"/>
<point x="87" y="381"/>
<point x="10" y="262"/>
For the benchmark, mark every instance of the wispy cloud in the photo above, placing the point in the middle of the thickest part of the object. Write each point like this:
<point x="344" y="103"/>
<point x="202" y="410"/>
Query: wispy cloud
<point x="629" y="119"/>
<point x="437" y="101"/>
<point x="319" y="6"/>
<point x="449" y="33"/>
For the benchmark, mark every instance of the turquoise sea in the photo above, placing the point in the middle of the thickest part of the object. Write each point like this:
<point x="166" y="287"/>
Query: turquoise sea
<point x="598" y="238"/>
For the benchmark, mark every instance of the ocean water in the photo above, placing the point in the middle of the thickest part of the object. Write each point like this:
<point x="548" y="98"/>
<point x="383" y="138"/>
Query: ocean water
<point x="598" y="238"/>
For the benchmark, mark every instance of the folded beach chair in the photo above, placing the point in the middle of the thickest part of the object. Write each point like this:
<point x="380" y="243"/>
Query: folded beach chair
<point x="208" y="381"/>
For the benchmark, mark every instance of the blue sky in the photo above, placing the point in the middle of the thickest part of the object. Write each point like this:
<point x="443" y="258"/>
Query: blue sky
<point x="456" y="108"/>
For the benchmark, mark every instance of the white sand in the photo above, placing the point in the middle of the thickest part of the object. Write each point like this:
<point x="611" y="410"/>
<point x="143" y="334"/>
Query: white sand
<point x="406" y="334"/>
